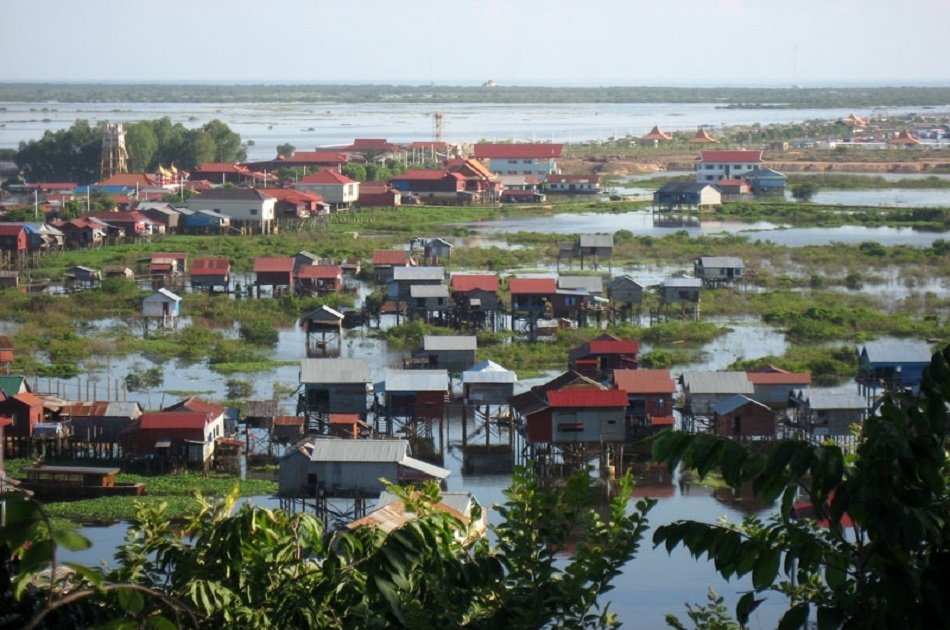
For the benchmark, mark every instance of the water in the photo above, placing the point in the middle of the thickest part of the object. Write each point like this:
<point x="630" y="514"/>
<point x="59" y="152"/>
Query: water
<point x="309" y="125"/>
<point x="888" y="197"/>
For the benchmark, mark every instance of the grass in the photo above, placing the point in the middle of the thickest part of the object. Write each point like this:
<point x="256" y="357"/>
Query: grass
<point x="177" y="490"/>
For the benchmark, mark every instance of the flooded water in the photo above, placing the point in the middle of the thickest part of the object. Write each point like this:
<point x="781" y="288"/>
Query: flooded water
<point x="646" y="223"/>
<point x="887" y="197"/>
<point x="309" y="125"/>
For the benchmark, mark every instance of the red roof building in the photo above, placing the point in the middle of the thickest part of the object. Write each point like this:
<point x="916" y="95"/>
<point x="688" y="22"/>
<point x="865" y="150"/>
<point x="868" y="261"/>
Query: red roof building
<point x="188" y="436"/>
<point x="702" y="137"/>
<point x="25" y="409"/>
<point x="532" y="286"/>
<point x="228" y="173"/>
<point x="390" y="257"/>
<point x="210" y="272"/>
<point x="464" y="282"/>
<point x="655" y="136"/>
<point x="321" y="278"/>
<point x="649" y="397"/>
<point x="772" y="384"/>
<point x="599" y="357"/>
<point x="13" y="238"/>
<point x="275" y="272"/>
<point x="587" y="398"/>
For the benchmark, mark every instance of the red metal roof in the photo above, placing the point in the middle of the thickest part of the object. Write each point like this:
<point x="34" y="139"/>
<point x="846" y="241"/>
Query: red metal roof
<point x="174" y="420"/>
<point x="28" y="399"/>
<point x="11" y="230"/>
<point x="470" y="282"/>
<point x="390" y="257"/>
<point x="522" y="151"/>
<point x="288" y="421"/>
<point x="532" y="286"/>
<point x="662" y="421"/>
<point x="320" y="272"/>
<point x="292" y="195"/>
<point x="129" y="180"/>
<point x="587" y="398"/>
<point x="644" y="381"/>
<point x="54" y="185"/>
<point x="5" y="422"/>
<point x="197" y="405"/>
<point x="779" y="378"/>
<point x="614" y="346"/>
<point x="210" y="266"/>
<point x="344" y="418"/>
<point x="316" y="157"/>
<point x="327" y="177"/>
<point x="730" y="156"/>
<point x="278" y="264"/>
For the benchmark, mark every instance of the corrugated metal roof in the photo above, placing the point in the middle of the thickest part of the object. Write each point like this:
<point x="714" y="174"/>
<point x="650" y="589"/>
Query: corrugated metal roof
<point x="210" y="266"/>
<point x="261" y="408"/>
<point x="683" y="283"/>
<point x="644" y="381"/>
<point x="717" y="383"/>
<point x="410" y="274"/>
<point x="334" y="371"/>
<point x="416" y="381"/>
<point x="470" y="282"/>
<point x="623" y="280"/>
<point x="718" y="262"/>
<point x="124" y="409"/>
<point x="488" y="371"/>
<point x="274" y="264"/>
<point x="596" y="240"/>
<point x="894" y="351"/>
<point x="577" y="397"/>
<point x="161" y="295"/>
<point x="779" y="378"/>
<point x="382" y="257"/>
<point x="821" y="398"/>
<point x="331" y="450"/>
<point x="438" y="343"/>
<point x="728" y="405"/>
<point x="591" y="284"/>
<point x="425" y="468"/>
<point x="428" y="291"/>
<point x="325" y="272"/>
<point x="532" y="286"/>
<point x="174" y="420"/>
<point x="323" y="314"/>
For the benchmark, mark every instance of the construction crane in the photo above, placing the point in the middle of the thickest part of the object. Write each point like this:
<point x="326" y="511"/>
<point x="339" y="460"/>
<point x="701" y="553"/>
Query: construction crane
<point x="115" y="157"/>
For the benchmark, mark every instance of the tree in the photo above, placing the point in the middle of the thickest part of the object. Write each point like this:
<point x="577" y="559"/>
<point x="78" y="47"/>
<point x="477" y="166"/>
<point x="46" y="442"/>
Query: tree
<point x="260" y="568"/>
<point x="355" y="171"/>
<point x="65" y="155"/>
<point x="804" y="191"/>
<point x="227" y="143"/>
<point x="286" y="150"/>
<point x="142" y="145"/>
<point x="876" y="553"/>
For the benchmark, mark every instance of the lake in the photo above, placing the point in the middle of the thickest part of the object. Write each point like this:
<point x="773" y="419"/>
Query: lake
<point x="309" y="125"/>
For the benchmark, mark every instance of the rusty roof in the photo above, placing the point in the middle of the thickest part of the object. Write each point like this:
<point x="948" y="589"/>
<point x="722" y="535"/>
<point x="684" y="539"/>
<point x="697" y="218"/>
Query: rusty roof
<point x="532" y="286"/>
<point x="210" y="266"/>
<point x="274" y="264"/>
<point x="644" y="381"/>
<point x="577" y="397"/>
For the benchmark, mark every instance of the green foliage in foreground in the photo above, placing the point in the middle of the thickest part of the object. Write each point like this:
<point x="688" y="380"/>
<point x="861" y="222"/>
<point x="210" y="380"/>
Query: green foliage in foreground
<point x="876" y="554"/>
<point x="260" y="568"/>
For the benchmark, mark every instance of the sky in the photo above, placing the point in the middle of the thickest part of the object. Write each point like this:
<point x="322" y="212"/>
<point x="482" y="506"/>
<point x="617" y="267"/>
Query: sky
<point x="458" y="42"/>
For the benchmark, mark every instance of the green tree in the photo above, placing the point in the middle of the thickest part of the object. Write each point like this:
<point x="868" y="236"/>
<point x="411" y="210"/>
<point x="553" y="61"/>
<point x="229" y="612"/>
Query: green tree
<point x="881" y="554"/>
<point x="198" y="147"/>
<point x="142" y="145"/>
<point x="355" y="171"/>
<point x="227" y="143"/>
<point x="66" y="155"/>
<point x="804" y="191"/>
<point x="286" y="150"/>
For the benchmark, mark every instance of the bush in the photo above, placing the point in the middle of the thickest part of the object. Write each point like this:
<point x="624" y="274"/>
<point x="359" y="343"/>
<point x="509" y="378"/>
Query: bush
<point x="259" y="332"/>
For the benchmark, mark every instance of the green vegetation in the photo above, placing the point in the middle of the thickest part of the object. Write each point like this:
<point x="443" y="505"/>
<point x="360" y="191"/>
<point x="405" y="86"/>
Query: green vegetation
<point x="260" y="568"/>
<point x="847" y="181"/>
<point x="861" y="98"/>
<point x="879" y="554"/>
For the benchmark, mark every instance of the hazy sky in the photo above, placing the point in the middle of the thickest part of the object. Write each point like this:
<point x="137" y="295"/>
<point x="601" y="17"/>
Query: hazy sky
<point x="550" y="42"/>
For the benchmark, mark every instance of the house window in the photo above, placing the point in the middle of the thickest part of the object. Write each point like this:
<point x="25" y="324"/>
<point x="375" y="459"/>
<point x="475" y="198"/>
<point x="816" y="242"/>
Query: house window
<point x="709" y="167"/>
<point x="570" y="427"/>
<point x="570" y="301"/>
<point x="737" y="166"/>
<point x="512" y="161"/>
<point x="526" y="161"/>
<point x="253" y="212"/>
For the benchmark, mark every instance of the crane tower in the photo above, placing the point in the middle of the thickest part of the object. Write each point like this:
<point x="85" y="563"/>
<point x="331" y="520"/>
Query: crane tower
<point x="115" y="158"/>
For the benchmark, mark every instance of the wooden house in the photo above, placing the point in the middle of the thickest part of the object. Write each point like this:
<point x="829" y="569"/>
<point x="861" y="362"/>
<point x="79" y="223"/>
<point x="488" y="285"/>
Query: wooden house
<point x="436" y="249"/>
<point x="471" y="291"/>
<point x="9" y="279"/>
<point x="481" y="184"/>
<point x="487" y="383"/>
<point x="406" y="277"/>
<point x="454" y="353"/>
<point x="415" y="393"/>
<point x="433" y="187"/>
<point x="197" y="405"/>
<point x="595" y="247"/>
<point x="687" y="195"/>
<point x="305" y="259"/>
<point x="351" y="468"/>
<point x="826" y="411"/>
<point x="211" y="273"/>
<point x="6" y="354"/>
<point x="624" y="291"/>
<point x="276" y="272"/>
<point x="260" y="413"/>
<point x="429" y="300"/>
<point x="533" y="296"/>
<point x="391" y="513"/>
<point x="587" y="415"/>
<point x="168" y="264"/>
<point x="100" y="422"/>
<point x="344" y="425"/>
<point x="323" y="326"/>
<point x="649" y="397"/>
<point x="335" y="385"/>
<point x="379" y="194"/>
<point x="716" y="271"/>
<point x="533" y="409"/>
<point x="26" y="411"/>
<point x="352" y="265"/>
<point x="162" y="305"/>
<point x="385" y="260"/>
<point x="676" y="291"/>
<point x="771" y="384"/>
<point x="320" y="279"/>
<point x="13" y="242"/>
<point x="739" y="417"/>
<point x="162" y="213"/>
<point x="286" y="428"/>
<point x="599" y="357"/>
<point x="79" y="277"/>
<point x="131" y="225"/>
<point x="703" y="390"/>
<point x="187" y="436"/>
<point x="893" y="364"/>
<point x="82" y="232"/>
<point x="592" y="286"/>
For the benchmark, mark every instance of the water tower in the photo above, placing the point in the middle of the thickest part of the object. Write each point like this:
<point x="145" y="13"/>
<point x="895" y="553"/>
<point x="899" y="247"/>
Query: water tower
<point x="115" y="158"/>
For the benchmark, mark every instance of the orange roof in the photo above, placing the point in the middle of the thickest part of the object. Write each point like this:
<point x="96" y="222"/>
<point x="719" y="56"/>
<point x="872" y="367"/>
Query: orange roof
<point x="702" y="137"/>
<point x="210" y="266"/>
<point x="644" y="381"/>
<point x="288" y="421"/>
<point x="197" y="405"/>
<point x="29" y="399"/>
<point x="532" y="286"/>
<point x="316" y="157"/>
<point x="129" y="180"/>
<point x="174" y="420"/>
<point x="390" y="257"/>
<point x="267" y="264"/>
<point x="662" y="421"/>
<point x="656" y="134"/>
<point x="905" y="137"/>
<point x="320" y="271"/>
<point x="344" y="418"/>
<point x="291" y="195"/>
<point x="470" y="282"/>
<point x="587" y="398"/>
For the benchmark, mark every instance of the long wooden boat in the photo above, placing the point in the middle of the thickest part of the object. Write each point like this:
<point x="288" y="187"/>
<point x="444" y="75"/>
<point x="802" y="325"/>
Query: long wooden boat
<point x="76" y="482"/>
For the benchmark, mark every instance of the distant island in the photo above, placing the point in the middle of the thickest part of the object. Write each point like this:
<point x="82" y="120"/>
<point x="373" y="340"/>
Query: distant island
<point x="731" y="97"/>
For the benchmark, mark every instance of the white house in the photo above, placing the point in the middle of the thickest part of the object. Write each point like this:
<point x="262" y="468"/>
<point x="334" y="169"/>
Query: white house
<point x="539" y="160"/>
<point x="243" y="206"/>
<point x="717" y="165"/>
<point x="336" y="189"/>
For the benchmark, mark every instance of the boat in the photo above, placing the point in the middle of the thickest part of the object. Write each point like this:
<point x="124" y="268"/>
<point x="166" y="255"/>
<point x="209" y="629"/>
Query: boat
<point x="76" y="482"/>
